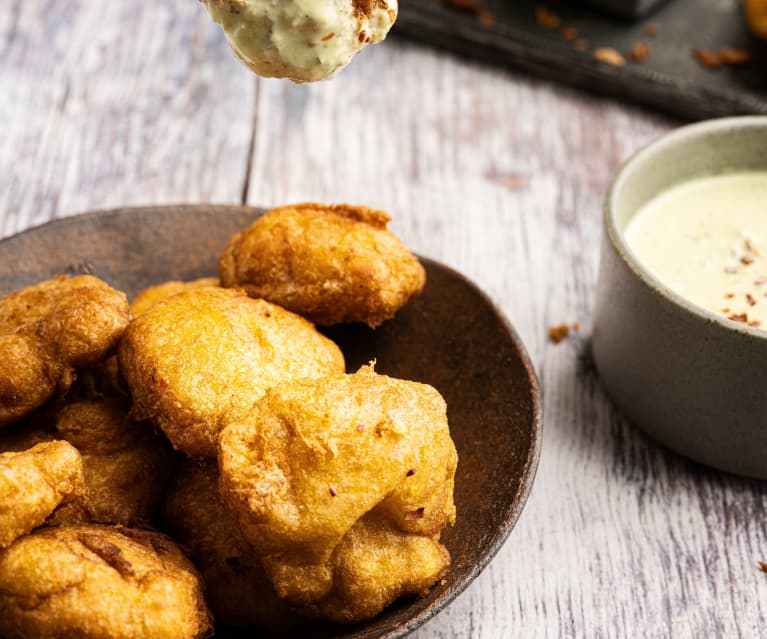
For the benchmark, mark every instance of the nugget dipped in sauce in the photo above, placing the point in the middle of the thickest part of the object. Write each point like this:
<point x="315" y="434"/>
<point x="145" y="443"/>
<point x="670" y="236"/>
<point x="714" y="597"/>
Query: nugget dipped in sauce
<point x="49" y="330"/>
<point x="303" y="40"/>
<point x="198" y="359"/>
<point x="329" y="263"/>
<point x="99" y="582"/>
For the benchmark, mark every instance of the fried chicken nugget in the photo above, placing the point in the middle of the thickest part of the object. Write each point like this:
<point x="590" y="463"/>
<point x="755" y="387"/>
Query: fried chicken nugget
<point x="50" y="329"/>
<point x="238" y="592"/>
<point x="330" y="264"/>
<point x="374" y="565"/>
<point x="126" y="464"/>
<point x="202" y="357"/>
<point x="33" y="483"/>
<point x="99" y="582"/>
<point x="150" y="296"/>
<point x="314" y="456"/>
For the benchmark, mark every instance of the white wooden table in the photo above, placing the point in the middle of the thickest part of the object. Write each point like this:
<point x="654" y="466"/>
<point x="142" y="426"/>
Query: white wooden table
<point x="499" y="175"/>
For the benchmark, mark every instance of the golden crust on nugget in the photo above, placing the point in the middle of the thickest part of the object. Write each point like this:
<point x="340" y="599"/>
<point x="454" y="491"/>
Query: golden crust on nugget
<point x="98" y="582"/>
<point x="197" y="359"/>
<point x="126" y="464"/>
<point x="314" y="456"/>
<point x="330" y="264"/>
<point x="237" y="590"/>
<point x="33" y="483"/>
<point x="374" y="565"/>
<point x="150" y="296"/>
<point x="50" y="329"/>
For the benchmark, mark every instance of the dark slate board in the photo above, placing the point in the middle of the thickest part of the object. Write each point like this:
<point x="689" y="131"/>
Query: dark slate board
<point x="670" y="79"/>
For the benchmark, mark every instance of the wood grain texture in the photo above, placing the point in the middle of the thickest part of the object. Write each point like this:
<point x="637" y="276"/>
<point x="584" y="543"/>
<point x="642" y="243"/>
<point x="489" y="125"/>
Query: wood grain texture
<point x="496" y="174"/>
<point x="109" y="103"/>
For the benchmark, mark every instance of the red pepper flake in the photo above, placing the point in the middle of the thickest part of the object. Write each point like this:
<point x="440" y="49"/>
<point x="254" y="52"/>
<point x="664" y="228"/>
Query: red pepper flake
<point x="746" y="259"/>
<point x="651" y="29"/>
<point x="734" y="57"/>
<point x="729" y="296"/>
<point x="414" y="514"/>
<point x="473" y="7"/>
<point x="558" y="333"/>
<point x="361" y="36"/>
<point x="333" y="491"/>
<point x="750" y="299"/>
<point x="410" y="473"/>
<point x="738" y="317"/>
<point x="581" y="44"/>
<point x="360" y="427"/>
<point x="708" y="59"/>
<point x="568" y="33"/>
<point x="547" y="19"/>
<point x="640" y="51"/>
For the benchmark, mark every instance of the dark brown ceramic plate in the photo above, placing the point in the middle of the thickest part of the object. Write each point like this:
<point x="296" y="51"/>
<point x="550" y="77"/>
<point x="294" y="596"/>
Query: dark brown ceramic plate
<point x="451" y="336"/>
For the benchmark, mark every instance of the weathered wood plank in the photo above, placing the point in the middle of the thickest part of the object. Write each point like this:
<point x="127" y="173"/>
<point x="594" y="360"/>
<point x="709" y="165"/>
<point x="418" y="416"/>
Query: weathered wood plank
<point x="107" y="103"/>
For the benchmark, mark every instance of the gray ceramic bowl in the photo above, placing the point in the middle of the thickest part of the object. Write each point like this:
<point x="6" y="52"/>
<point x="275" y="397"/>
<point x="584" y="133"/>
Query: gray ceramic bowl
<point x="691" y="379"/>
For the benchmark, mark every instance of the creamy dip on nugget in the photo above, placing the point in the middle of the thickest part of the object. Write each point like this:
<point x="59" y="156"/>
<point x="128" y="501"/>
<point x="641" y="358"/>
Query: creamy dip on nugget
<point x="303" y="40"/>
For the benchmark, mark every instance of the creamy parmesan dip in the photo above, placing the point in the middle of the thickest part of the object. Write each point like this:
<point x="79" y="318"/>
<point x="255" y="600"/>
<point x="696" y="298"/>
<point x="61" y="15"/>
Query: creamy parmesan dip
<point x="707" y="240"/>
<point x="303" y="40"/>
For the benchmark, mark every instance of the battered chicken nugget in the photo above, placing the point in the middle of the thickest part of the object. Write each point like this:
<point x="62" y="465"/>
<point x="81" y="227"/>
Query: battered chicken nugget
<point x="374" y="565"/>
<point x="33" y="483"/>
<point x="50" y="329"/>
<point x="330" y="264"/>
<point x="314" y="456"/>
<point x="300" y="40"/>
<point x="237" y="589"/>
<point x="98" y="582"/>
<point x="202" y="357"/>
<point x="126" y="464"/>
<point x="149" y="296"/>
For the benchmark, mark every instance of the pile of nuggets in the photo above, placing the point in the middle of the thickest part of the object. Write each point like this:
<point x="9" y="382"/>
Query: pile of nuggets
<point x="202" y="453"/>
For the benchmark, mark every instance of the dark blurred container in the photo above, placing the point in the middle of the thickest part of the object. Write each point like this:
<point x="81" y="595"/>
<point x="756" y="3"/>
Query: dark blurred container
<point x="626" y="8"/>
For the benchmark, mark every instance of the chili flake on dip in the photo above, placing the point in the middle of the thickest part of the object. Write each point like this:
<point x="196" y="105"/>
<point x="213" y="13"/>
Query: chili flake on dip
<point x="706" y="239"/>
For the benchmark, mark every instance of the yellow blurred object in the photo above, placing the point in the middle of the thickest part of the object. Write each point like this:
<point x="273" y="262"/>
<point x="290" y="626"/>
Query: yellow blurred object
<point x="756" y="16"/>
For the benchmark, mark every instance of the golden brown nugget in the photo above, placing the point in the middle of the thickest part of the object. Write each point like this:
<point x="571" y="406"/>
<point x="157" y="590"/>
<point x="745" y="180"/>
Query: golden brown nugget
<point x="314" y="456"/>
<point x="99" y="582"/>
<point x="237" y="590"/>
<point x="756" y="16"/>
<point x="329" y="263"/>
<point x="126" y="464"/>
<point x="202" y="357"/>
<point x="33" y="483"/>
<point x="50" y="329"/>
<point x="150" y="296"/>
<point x="374" y="565"/>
